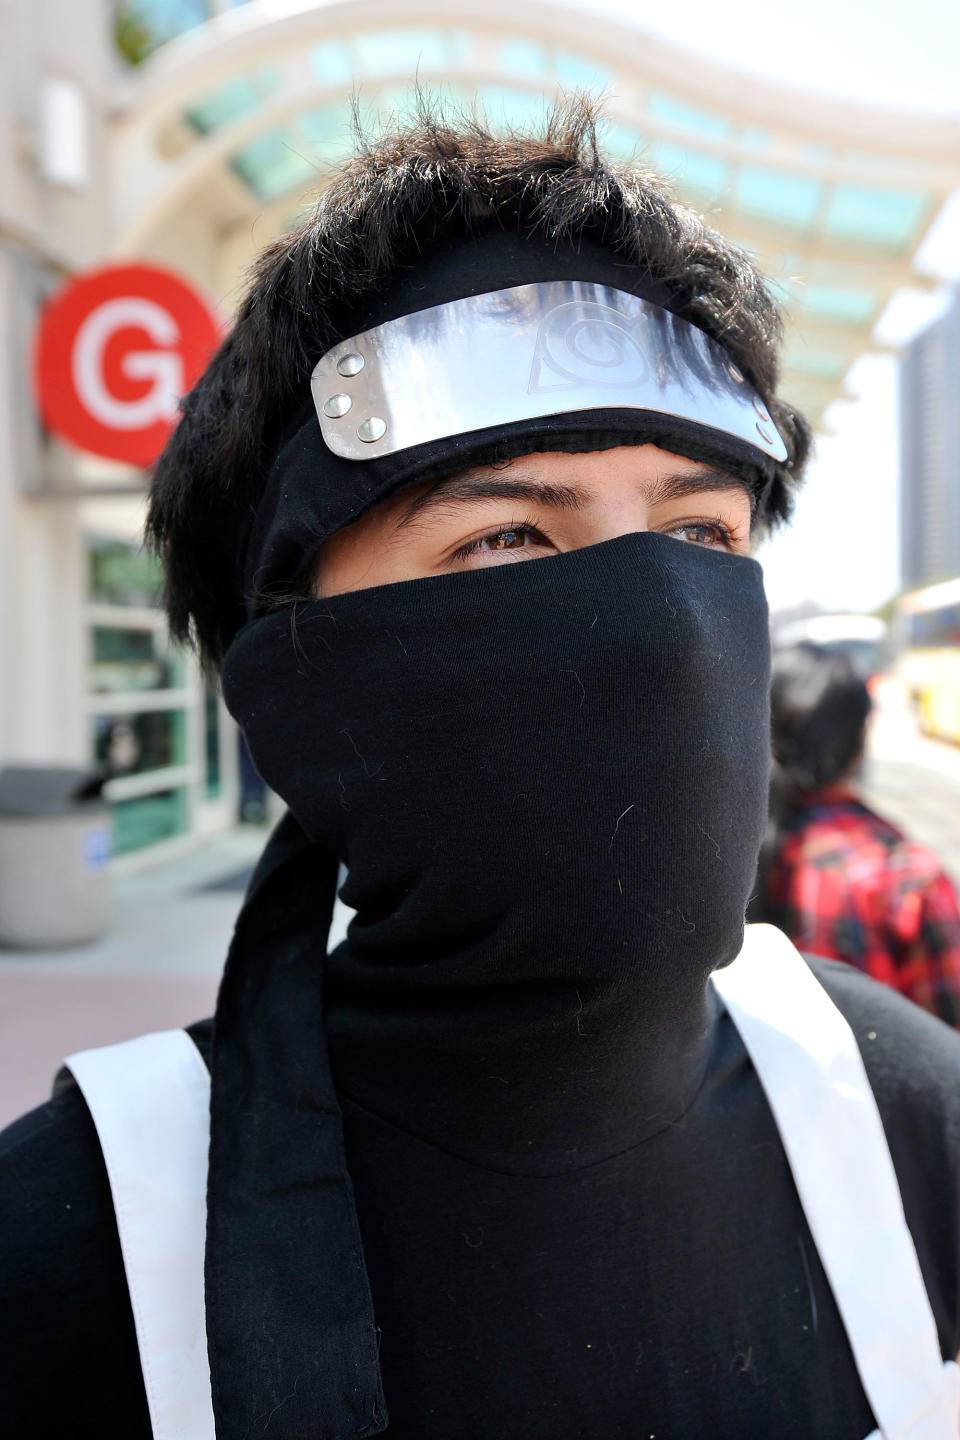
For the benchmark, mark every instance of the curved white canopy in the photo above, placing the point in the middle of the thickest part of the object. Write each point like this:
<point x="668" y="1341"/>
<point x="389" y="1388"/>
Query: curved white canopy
<point x="237" y="120"/>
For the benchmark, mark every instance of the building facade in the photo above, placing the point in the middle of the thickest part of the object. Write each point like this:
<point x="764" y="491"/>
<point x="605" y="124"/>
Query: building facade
<point x="190" y="133"/>
<point x="930" y="453"/>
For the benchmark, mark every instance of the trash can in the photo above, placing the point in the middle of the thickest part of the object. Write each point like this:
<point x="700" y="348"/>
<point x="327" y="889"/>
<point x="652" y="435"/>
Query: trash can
<point x="54" y="848"/>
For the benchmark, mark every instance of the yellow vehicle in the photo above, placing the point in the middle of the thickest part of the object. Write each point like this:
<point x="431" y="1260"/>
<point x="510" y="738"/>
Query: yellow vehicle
<point x="927" y="627"/>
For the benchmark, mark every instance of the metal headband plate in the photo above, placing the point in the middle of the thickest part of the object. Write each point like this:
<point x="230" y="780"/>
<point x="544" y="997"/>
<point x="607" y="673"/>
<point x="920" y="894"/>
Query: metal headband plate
<point x="533" y="351"/>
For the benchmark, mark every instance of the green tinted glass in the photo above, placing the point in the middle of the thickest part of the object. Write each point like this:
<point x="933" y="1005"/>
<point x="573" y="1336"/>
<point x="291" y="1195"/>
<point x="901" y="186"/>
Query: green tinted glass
<point x="126" y="659"/>
<point x="147" y="740"/>
<point x="778" y="196"/>
<point x="124" y="575"/>
<point x="693" y="172"/>
<point x="273" y="164"/>
<point x="886" y="217"/>
<point x="148" y="819"/>
<point x="392" y="52"/>
<point x="233" y="100"/>
<point x="667" y="110"/>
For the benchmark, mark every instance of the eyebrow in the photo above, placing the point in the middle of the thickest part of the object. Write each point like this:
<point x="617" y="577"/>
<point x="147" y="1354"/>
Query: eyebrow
<point x="471" y="485"/>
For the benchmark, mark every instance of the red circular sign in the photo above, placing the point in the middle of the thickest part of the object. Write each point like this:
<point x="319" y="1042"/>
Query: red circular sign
<point x="115" y="351"/>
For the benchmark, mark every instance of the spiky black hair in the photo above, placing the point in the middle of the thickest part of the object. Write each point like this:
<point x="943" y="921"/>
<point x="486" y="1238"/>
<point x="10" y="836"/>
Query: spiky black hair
<point x="433" y="179"/>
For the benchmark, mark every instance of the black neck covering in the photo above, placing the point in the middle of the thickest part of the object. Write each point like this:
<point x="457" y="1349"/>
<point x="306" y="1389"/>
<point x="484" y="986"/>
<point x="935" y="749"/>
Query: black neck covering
<point x="548" y="780"/>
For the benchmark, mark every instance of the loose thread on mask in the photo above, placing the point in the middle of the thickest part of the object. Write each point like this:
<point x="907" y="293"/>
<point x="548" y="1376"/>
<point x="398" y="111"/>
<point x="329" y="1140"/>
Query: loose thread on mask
<point x="583" y="688"/>
<point x="713" y="842"/>
<point x="688" y="925"/>
<point x="617" y="826"/>
<point x="322" y="615"/>
<point x="579" y="1014"/>
<point x="370" y="774"/>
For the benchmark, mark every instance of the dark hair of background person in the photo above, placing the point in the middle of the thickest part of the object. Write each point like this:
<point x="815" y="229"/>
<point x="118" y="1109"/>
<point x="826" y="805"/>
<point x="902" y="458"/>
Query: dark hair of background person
<point x="819" y="706"/>
<point x="433" y="181"/>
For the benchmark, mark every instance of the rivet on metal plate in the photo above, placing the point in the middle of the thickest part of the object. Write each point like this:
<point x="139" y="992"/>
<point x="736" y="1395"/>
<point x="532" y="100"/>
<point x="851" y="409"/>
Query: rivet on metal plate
<point x="350" y="365"/>
<point x="764" y="434"/>
<point x="760" y="408"/>
<point x="372" y="429"/>
<point x="336" y="406"/>
<point x="734" y="373"/>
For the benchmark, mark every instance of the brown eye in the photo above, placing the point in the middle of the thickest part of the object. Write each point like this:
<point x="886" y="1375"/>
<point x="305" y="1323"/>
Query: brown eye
<point x="703" y="533"/>
<point x="507" y="539"/>
<point x="510" y="538"/>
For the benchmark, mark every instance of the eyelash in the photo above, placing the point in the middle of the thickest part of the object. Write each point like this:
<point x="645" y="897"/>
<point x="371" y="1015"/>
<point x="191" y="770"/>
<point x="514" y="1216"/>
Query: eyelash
<point x="526" y="527"/>
<point x="726" y="536"/>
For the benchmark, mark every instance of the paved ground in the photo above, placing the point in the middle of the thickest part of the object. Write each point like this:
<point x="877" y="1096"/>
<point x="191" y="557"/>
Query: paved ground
<point x="157" y="968"/>
<point x="160" y="963"/>
<point x="913" y="781"/>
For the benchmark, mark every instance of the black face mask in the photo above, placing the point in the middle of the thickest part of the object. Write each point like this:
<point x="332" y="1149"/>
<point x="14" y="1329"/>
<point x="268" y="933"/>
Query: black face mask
<point x="548" y="781"/>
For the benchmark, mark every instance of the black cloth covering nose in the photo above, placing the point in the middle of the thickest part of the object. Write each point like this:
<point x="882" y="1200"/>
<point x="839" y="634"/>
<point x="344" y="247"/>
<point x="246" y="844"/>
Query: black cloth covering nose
<point x="548" y="782"/>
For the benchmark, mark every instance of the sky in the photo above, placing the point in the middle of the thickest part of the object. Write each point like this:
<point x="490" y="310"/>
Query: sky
<point x="842" y="548"/>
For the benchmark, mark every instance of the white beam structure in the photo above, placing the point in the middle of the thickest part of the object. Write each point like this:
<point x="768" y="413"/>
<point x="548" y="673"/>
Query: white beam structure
<point x="236" y="123"/>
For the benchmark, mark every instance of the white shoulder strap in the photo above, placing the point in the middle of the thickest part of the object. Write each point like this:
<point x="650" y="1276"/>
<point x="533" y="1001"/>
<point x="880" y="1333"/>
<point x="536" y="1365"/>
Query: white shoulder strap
<point x="150" y="1102"/>
<point x="807" y="1059"/>
<point x="149" y="1099"/>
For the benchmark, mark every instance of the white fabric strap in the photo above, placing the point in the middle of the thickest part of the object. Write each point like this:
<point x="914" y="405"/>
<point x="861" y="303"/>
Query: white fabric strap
<point x="813" y="1075"/>
<point x="150" y="1102"/>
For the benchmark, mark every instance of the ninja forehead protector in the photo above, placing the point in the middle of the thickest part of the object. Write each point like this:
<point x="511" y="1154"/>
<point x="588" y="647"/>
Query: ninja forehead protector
<point x="529" y="353"/>
<point x="500" y="347"/>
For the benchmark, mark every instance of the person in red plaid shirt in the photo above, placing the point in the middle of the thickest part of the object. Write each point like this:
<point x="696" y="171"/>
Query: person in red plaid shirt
<point x="840" y="880"/>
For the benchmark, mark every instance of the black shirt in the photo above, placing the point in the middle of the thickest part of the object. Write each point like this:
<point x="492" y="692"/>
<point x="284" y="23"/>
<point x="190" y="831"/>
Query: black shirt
<point x="673" y="1290"/>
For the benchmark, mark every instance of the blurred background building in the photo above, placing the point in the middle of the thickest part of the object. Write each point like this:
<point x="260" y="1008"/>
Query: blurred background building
<point x="192" y="132"/>
<point x="930" y="452"/>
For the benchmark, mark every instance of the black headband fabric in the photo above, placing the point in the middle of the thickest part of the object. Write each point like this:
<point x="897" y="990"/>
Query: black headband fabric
<point x="311" y="493"/>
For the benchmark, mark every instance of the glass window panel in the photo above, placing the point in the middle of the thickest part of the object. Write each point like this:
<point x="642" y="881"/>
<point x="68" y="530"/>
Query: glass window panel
<point x="148" y="819"/>
<point x="811" y="361"/>
<point x="273" y="164"/>
<point x="130" y="660"/>
<point x="330" y="63"/>
<point x="123" y="575"/>
<point x="328" y="130"/>
<point x="231" y="101"/>
<point x="703" y="175"/>
<point x="504" y="106"/>
<point x="670" y="111"/>
<point x="522" y="57"/>
<point x="132" y="744"/>
<point x="461" y="47"/>
<point x="837" y="302"/>
<point x="887" y="217"/>
<point x="211" y="721"/>
<point x="385" y="52"/>
<point x="624" y="142"/>
<point x="783" y="291"/>
<point x="779" y="196"/>
<point x="581" y="71"/>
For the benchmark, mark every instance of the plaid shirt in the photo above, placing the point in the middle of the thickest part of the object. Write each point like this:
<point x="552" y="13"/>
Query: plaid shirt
<point x="849" y="886"/>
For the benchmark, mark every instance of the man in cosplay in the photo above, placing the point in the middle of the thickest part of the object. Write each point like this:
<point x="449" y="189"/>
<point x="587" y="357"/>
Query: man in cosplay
<point x="462" y="511"/>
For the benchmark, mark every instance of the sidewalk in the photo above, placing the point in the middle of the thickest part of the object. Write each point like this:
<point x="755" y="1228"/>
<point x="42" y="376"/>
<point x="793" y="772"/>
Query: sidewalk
<point x="157" y="968"/>
<point x="913" y="781"/>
